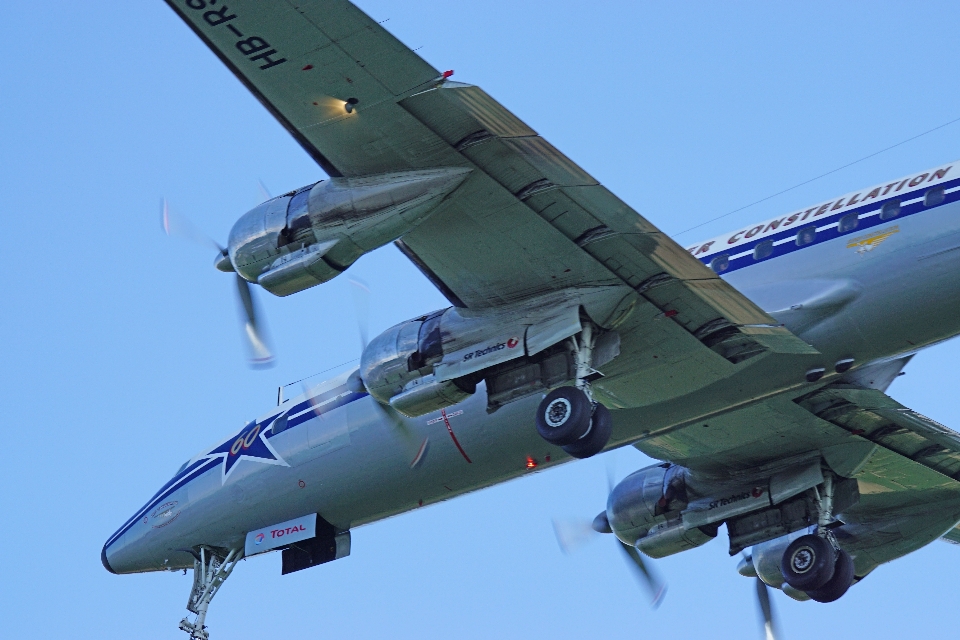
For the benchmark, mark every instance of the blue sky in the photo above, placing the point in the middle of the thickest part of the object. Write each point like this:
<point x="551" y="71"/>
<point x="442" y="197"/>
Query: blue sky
<point x="123" y="355"/>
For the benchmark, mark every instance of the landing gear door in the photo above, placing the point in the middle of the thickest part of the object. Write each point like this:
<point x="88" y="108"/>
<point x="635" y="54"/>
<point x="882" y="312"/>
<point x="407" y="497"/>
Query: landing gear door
<point x="554" y="328"/>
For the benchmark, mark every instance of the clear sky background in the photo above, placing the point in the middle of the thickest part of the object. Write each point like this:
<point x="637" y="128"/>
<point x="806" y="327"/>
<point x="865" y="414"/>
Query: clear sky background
<point x="121" y="349"/>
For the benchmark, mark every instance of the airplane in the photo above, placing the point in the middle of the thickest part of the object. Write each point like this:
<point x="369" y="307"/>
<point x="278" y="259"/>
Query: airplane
<point x="753" y="365"/>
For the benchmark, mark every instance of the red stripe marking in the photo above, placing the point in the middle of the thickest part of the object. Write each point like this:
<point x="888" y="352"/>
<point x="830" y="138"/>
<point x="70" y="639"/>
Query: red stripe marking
<point x="419" y="456"/>
<point x="443" y="413"/>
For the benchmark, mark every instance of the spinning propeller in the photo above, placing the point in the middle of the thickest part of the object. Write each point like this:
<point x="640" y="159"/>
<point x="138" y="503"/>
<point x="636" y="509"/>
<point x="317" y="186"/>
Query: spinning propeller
<point x="574" y="533"/>
<point x="258" y="349"/>
<point x="766" y="610"/>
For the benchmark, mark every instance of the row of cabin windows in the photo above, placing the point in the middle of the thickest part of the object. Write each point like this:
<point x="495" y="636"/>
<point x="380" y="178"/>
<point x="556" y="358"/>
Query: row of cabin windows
<point x="846" y="224"/>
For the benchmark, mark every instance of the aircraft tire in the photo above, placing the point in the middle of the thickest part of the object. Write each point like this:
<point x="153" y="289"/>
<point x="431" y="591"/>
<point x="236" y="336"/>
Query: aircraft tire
<point x="808" y="563"/>
<point x="596" y="438"/>
<point x="839" y="583"/>
<point x="563" y="416"/>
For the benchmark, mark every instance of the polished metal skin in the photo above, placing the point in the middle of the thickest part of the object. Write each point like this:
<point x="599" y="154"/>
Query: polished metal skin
<point x="754" y="363"/>
<point x="298" y="240"/>
<point x="205" y="504"/>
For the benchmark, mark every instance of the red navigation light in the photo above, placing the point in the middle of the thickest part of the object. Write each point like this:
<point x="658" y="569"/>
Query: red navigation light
<point x="446" y="74"/>
<point x="531" y="463"/>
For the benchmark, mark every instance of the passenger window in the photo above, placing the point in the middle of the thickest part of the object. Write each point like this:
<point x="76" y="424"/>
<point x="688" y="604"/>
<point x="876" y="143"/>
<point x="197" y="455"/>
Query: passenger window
<point x="933" y="197"/>
<point x="720" y="263"/>
<point x="890" y="210"/>
<point x="848" y="222"/>
<point x="763" y="250"/>
<point x="806" y="236"/>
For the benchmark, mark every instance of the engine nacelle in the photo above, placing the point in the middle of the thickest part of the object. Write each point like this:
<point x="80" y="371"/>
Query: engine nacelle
<point x="437" y="360"/>
<point x="636" y="504"/>
<point x="390" y="361"/>
<point x="311" y="235"/>
<point x="644" y="511"/>
<point x="665" y="509"/>
<point x="668" y="538"/>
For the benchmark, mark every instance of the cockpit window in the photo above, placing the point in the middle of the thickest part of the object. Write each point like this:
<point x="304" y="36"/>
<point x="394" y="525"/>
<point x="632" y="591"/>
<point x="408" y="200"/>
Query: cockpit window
<point x="182" y="468"/>
<point x="280" y="424"/>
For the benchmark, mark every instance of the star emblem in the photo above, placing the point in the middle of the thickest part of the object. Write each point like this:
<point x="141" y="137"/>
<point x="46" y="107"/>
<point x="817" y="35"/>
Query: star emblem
<point x="249" y="444"/>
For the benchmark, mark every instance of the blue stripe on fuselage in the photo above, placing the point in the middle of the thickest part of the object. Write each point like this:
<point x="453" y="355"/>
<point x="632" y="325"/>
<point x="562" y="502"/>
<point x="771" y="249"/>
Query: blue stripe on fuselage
<point x="313" y="408"/>
<point x="825" y="235"/>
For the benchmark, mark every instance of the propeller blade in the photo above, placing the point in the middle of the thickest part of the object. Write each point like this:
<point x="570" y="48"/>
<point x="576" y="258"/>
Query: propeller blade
<point x="361" y="305"/>
<point x="177" y="225"/>
<point x="766" y="610"/>
<point x="260" y="356"/>
<point x="263" y="190"/>
<point x="573" y="533"/>
<point x="657" y="587"/>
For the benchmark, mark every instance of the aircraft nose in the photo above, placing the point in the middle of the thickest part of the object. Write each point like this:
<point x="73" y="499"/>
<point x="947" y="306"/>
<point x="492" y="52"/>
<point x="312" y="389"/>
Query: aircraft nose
<point x="103" y="559"/>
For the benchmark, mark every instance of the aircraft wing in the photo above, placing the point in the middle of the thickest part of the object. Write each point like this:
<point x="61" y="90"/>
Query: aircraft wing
<point x="904" y="462"/>
<point x="528" y="221"/>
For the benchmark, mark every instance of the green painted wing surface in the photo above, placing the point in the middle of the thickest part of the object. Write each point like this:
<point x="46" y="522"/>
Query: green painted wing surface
<point x="907" y="465"/>
<point x="528" y="221"/>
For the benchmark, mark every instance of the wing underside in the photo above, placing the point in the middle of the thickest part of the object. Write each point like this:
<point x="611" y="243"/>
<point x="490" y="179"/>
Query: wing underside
<point x="907" y="466"/>
<point x="527" y="222"/>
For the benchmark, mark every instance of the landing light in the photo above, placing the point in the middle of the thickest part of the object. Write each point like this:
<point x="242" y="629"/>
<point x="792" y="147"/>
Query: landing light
<point x="350" y="104"/>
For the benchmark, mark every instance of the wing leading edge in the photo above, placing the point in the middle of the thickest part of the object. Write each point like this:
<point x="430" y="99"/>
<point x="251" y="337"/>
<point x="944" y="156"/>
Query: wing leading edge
<point x="528" y="221"/>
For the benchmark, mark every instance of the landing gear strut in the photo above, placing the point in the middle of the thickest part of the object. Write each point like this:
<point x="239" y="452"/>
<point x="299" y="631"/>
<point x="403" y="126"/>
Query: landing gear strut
<point x="211" y="566"/>
<point x="815" y="563"/>
<point x="568" y="416"/>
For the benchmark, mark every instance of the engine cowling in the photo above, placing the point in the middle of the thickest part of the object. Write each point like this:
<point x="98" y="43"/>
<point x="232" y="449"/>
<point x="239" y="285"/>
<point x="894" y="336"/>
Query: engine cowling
<point x="311" y="235"/>
<point x="640" y="501"/>
<point x="436" y="361"/>
<point x="644" y="511"/>
<point x="668" y="538"/>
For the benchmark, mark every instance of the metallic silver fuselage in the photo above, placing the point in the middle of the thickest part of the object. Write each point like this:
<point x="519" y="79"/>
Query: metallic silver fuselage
<point x="899" y="297"/>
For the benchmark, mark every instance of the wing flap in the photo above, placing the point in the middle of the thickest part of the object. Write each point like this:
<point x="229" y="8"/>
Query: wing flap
<point x="527" y="222"/>
<point x="875" y="416"/>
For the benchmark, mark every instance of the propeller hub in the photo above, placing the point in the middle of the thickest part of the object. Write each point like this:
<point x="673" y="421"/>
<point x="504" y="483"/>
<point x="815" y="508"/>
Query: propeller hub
<point x="601" y="524"/>
<point x="222" y="263"/>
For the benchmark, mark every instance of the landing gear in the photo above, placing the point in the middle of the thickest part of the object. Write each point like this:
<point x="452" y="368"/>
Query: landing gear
<point x="568" y="417"/>
<point x="808" y="562"/>
<point x="839" y="583"/>
<point x="593" y="442"/>
<point x="211" y="566"/>
<point x="564" y="416"/>
<point x="815" y="563"/>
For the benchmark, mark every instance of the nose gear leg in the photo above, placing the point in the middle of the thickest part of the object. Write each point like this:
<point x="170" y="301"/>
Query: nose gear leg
<point x="211" y="567"/>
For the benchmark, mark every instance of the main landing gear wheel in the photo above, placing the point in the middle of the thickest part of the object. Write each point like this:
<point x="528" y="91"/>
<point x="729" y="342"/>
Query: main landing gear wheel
<point x="808" y="563"/>
<point x="839" y="583"/>
<point x="564" y="416"/>
<point x="593" y="442"/>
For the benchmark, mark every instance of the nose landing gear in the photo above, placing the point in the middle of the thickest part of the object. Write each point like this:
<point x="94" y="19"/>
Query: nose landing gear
<point x="568" y="416"/>
<point x="211" y="566"/>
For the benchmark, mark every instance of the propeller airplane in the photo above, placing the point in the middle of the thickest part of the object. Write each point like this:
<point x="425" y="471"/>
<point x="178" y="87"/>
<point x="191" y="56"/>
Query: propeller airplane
<point x="754" y="365"/>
